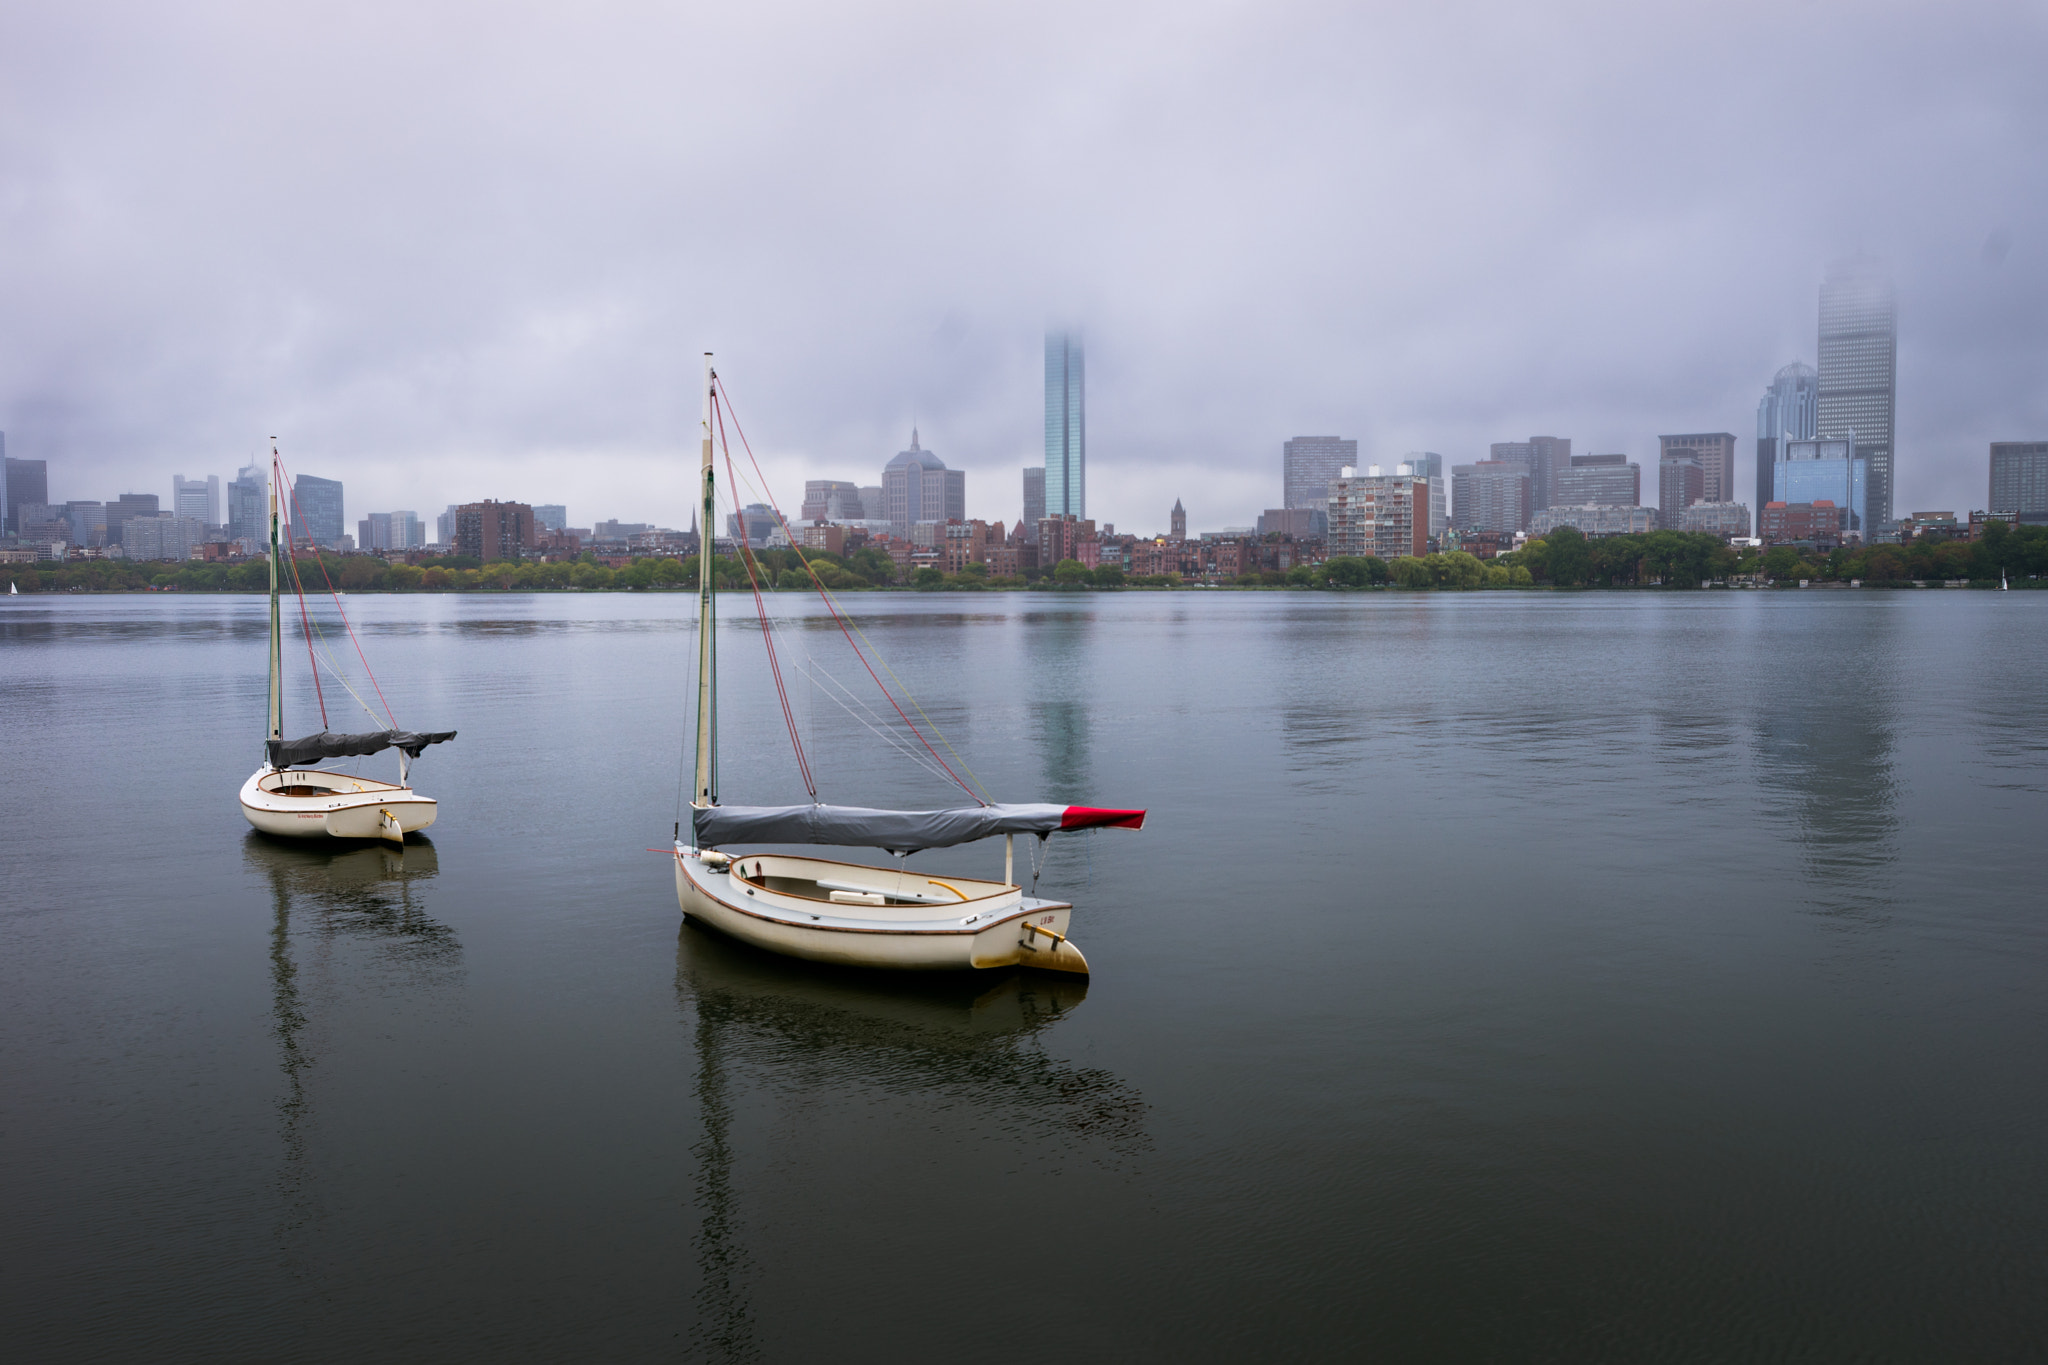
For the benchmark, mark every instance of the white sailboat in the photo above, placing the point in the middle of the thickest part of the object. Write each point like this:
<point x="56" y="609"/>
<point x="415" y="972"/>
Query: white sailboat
<point x="826" y="910"/>
<point x="302" y="802"/>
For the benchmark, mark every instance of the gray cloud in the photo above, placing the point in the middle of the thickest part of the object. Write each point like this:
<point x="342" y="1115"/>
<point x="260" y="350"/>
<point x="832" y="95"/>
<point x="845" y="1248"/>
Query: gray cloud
<point x="458" y="250"/>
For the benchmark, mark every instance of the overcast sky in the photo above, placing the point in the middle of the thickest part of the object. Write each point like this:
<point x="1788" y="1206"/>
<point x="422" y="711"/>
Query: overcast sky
<point x="446" y="251"/>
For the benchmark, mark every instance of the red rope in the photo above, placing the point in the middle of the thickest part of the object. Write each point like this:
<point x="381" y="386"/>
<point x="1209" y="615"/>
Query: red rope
<point x="767" y="636"/>
<point x="338" y="611"/>
<point x="826" y="598"/>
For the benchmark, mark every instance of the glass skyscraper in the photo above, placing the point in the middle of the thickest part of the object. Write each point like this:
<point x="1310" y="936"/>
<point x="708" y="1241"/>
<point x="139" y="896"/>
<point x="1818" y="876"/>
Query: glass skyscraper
<point x="1809" y="471"/>
<point x="1858" y="389"/>
<point x="1787" y="413"/>
<point x="1066" y="427"/>
<point x="319" y="500"/>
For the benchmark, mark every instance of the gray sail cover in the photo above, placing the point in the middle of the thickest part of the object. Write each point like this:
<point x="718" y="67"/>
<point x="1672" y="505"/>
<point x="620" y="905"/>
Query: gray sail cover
<point x="286" y="752"/>
<point x="898" y="831"/>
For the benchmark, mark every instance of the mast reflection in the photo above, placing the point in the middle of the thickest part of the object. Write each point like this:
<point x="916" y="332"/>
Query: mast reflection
<point x="346" y="892"/>
<point x="788" y="1026"/>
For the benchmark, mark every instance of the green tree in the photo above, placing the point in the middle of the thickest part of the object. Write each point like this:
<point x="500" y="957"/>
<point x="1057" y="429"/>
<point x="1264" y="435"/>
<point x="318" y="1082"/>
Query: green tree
<point x="1069" y="572"/>
<point x="1109" y="576"/>
<point x="1571" y="563"/>
<point x="928" y="578"/>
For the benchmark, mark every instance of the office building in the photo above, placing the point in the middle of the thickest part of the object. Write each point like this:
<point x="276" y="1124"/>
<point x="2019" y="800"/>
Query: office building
<point x="43" y="523"/>
<point x="917" y="486"/>
<point x="1309" y="465"/>
<point x="397" y="531"/>
<point x="549" y="516"/>
<point x="164" y="536"/>
<point x="128" y="505"/>
<point x="317" y="512"/>
<point x="1034" y="501"/>
<point x="88" y="522"/>
<point x="197" y="498"/>
<point x="1715" y="451"/>
<point x="27" y="481"/>
<point x="832" y="500"/>
<point x="2019" y="480"/>
<point x="1066" y="426"/>
<point x="1429" y="465"/>
<point x="1295" y="523"/>
<point x="754" y="524"/>
<point x="1595" y="519"/>
<point x="1385" y="515"/>
<point x="1543" y="456"/>
<point x="1681" y="482"/>
<point x="490" y="530"/>
<point x="1177" y="522"/>
<point x="1598" y="480"/>
<point x="1831" y="470"/>
<point x="249" y="506"/>
<point x="1724" y="519"/>
<point x="1858" y="381"/>
<point x="1788" y="412"/>
<point x="1490" y="495"/>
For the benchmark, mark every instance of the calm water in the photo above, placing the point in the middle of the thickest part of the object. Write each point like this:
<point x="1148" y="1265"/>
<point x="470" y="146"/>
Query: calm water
<point x="1533" y="977"/>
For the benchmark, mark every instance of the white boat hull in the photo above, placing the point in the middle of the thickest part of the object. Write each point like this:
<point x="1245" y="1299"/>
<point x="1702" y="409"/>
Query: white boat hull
<point x="308" y="804"/>
<point x="772" y="901"/>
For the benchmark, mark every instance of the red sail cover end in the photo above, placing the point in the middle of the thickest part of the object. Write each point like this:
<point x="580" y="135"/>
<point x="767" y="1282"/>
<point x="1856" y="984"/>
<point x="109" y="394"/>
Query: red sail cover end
<point x="1093" y="817"/>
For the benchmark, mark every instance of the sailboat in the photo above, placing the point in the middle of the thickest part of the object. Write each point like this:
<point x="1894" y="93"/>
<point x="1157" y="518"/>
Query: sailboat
<point x="285" y="796"/>
<point x="807" y="906"/>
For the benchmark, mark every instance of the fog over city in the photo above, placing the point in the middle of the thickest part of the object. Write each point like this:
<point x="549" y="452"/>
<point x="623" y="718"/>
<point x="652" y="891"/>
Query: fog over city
<point x="450" y="251"/>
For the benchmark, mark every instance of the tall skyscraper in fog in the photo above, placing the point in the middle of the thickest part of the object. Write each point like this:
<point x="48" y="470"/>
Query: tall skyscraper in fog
<point x="1859" y="370"/>
<point x="1787" y="413"/>
<point x="1034" y="502"/>
<point x="1066" y="426"/>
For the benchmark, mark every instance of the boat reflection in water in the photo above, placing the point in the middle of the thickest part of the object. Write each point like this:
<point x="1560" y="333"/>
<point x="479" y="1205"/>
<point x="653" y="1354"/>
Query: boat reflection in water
<point x="325" y="896"/>
<point x="791" y="1029"/>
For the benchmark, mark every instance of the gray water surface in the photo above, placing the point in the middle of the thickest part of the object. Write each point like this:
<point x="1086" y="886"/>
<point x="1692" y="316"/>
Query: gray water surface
<point x="1500" y="976"/>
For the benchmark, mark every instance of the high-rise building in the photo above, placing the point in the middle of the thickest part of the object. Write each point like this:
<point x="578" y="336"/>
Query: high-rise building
<point x="27" y="481"/>
<point x="1296" y="523"/>
<point x="1034" y="501"/>
<point x="1544" y="456"/>
<point x="1177" y="519"/>
<point x="197" y="498"/>
<point x="317" y="508"/>
<point x="490" y="530"/>
<point x="2019" y="480"/>
<point x="753" y="523"/>
<point x="1598" y="481"/>
<point x="1715" y="451"/>
<point x="1427" y="464"/>
<point x="1834" y="471"/>
<point x="1309" y="465"/>
<point x="549" y="516"/>
<point x="1857" y="395"/>
<point x="396" y="531"/>
<point x="1385" y="515"/>
<point x="1066" y="427"/>
<point x="917" y="486"/>
<point x="165" y="535"/>
<point x="832" y="500"/>
<point x="874" y="504"/>
<point x="1788" y="411"/>
<point x="1680" y="481"/>
<point x="88" y="522"/>
<point x="249" y="505"/>
<point x="1490" y="495"/>
<point x="124" y="507"/>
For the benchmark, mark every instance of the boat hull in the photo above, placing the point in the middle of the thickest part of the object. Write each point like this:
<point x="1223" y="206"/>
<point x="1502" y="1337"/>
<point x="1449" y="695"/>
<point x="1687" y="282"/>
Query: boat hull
<point x="1008" y="928"/>
<point x="345" y="808"/>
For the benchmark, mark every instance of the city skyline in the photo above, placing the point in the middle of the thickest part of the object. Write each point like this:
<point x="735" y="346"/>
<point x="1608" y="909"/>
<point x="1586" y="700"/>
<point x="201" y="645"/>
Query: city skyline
<point x="430" y="357"/>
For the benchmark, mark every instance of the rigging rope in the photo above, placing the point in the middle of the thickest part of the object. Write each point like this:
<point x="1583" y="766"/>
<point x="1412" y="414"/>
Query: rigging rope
<point x="335" y="595"/>
<point x="722" y="404"/>
<point x="767" y="635"/>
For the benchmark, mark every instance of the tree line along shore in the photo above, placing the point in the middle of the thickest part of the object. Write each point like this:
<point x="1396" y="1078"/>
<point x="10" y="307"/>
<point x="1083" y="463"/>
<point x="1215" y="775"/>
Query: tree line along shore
<point x="1564" y="558"/>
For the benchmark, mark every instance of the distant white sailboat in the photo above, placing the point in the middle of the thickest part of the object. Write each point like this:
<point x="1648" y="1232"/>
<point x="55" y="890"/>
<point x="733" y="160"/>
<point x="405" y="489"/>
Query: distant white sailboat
<point x="304" y="803"/>
<point x="830" y="911"/>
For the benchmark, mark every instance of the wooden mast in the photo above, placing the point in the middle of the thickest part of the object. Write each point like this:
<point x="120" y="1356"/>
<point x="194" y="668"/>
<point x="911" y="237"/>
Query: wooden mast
<point x="276" y="716"/>
<point x="705" y="792"/>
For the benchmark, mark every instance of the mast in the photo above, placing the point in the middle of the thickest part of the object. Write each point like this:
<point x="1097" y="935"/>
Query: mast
<point x="276" y="710"/>
<point x="704" y="793"/>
